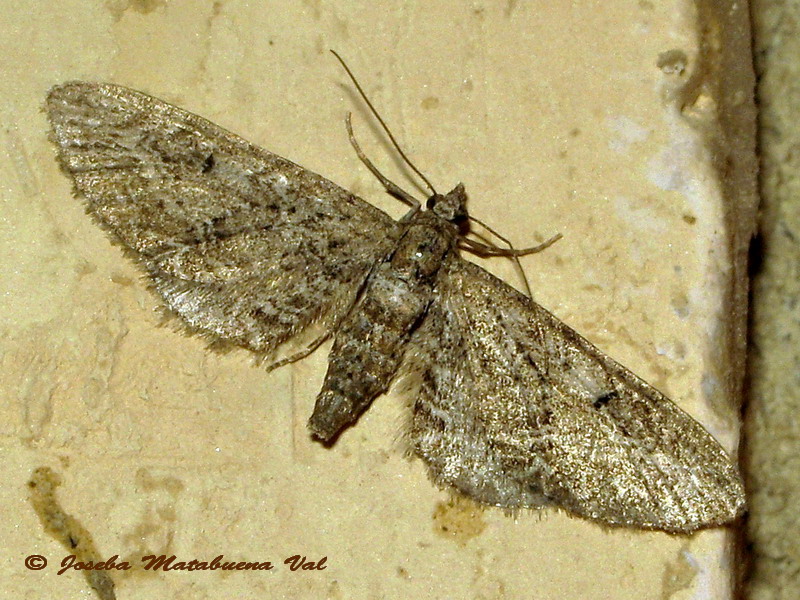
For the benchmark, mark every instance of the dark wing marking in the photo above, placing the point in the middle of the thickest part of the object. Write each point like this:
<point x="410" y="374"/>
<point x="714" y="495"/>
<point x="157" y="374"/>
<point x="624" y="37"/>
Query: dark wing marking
<point x="516" y="409"/>
<point x="240" y="242"/>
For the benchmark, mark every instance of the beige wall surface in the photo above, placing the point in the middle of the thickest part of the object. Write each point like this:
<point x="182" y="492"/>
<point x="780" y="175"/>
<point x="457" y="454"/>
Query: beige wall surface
<point x="608" y="122"/>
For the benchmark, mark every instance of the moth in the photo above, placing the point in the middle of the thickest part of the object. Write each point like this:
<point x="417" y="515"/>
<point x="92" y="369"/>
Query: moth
<point x="514" y="409"/>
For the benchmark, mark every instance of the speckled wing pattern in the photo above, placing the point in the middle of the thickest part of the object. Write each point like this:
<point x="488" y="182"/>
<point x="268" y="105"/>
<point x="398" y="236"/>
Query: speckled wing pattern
<point x="241" y="243"/>
<point x="516" y="409"/>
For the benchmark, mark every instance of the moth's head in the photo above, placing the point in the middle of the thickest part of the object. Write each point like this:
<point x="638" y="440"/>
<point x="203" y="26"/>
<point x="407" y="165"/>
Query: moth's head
<point x="451" y="206"/>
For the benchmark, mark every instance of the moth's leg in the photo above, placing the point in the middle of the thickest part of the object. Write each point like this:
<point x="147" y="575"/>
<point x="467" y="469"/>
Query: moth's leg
<point x="490" y="249"/>
<point x="302" y="353"/>
<point x="533" y="250"/>
<point x="486" y="250"/>
<point x="411" y="213"/>
<point x="391" y="187"/>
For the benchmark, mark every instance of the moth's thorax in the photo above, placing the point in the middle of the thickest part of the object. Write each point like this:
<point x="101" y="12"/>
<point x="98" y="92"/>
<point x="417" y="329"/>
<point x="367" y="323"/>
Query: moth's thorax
<point x="423" y="246"/>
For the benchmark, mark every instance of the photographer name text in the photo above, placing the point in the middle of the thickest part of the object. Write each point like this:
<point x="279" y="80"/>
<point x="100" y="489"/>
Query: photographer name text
<point x="162" y="562"/>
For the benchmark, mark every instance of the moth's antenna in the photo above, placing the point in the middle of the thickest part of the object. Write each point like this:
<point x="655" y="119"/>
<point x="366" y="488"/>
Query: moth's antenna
<point x="383" y="124"/>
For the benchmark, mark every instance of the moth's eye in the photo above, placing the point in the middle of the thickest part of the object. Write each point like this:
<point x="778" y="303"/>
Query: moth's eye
<point x="431" y="202"/>
<point x="462" y="222"/>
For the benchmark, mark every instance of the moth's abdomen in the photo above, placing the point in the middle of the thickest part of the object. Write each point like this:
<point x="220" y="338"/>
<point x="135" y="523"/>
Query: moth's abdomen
<point x="370" y="343"/>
